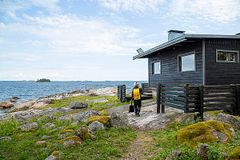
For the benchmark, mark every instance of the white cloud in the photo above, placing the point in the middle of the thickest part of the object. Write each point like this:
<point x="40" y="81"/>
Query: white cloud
<point x="10" y="8"/>
<point x="214" y="10"/>
<point x="72" y="35"/>
<point x="139" y="6"/>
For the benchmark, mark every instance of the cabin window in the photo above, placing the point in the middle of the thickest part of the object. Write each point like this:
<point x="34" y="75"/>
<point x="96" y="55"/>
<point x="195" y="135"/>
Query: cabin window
<point x="187" y="62"/>
<point x="227" y="56"/>
<point x="156" y="68"/>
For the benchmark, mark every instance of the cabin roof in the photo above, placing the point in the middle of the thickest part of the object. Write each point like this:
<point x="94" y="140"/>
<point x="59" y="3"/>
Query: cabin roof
<point x="183" y="38"/>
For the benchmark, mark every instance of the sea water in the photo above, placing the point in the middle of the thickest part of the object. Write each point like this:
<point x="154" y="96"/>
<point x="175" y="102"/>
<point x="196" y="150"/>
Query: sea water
<point x="26" y="90"/>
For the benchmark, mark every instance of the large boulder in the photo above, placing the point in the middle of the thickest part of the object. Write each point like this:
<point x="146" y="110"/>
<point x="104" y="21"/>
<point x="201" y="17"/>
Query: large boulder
<point x="6" y="105"/>
<point x="29" y="127"/>
<point x="78" y="105"/>
<point x="204" y="132"/>
<point x="102" y="119"/>
<point x="22" y="106"/>
<point x="119" y="120"/>
<point x="24" y="115"/>
<point x="95" y="126"/>
<point x="226" y="118"/>
<point x="83" y="116"/>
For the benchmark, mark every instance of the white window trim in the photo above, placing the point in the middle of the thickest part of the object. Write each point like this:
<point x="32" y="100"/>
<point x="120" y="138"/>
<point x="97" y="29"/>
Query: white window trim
<point x="186" y="54"/>
<point x="219" y="61"/>
<point x="153" y="68"/>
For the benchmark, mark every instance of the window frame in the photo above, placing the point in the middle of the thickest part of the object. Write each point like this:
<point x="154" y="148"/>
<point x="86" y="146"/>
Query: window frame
<point x="224" y="50"/>
<point x="179" y="61"/>
<point x="153" y="68"/>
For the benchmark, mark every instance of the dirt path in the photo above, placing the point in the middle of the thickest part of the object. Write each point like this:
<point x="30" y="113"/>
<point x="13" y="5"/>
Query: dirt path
<point x="139" y="149"/>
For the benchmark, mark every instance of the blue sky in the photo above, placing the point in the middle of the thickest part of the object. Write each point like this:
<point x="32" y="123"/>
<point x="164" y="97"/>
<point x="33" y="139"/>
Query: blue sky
<point x="96" y="39"/>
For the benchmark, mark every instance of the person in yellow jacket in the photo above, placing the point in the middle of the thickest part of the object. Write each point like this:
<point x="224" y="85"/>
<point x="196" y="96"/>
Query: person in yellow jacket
<point x="136" y="96"/>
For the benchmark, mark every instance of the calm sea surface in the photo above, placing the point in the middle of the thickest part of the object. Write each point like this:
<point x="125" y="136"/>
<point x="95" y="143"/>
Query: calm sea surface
<point x="27" y="90"/>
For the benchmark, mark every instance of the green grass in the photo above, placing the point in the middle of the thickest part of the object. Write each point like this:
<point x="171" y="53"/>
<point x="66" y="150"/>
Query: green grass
<point x="112" y="102"/>
<point x="109" y="144"/>
<point x="166" y="139"/>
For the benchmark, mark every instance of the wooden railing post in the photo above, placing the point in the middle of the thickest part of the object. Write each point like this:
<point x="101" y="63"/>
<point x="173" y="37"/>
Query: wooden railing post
<point x="186" y="98"/>
<point x="159" y="90"/>
<point x="236" y="109"/>
<point x="162" y="100"/>
<point x="201" y="101"/>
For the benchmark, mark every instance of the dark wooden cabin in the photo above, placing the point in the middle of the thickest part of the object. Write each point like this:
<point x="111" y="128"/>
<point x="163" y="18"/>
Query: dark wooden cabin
<point x="194" y="59"/>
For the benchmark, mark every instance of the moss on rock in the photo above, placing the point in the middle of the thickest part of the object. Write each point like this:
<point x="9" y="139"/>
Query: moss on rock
<point x="74" y="138"/>
<point x="67" y="131"/>
<point x="203" y="132"/>
<point x="235" y="153"/>
<point x="102" y="119"/>
<point x="104" y="112"/>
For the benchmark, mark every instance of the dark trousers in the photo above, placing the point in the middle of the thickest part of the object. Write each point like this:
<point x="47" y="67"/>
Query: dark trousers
<point x="137" y="106"/>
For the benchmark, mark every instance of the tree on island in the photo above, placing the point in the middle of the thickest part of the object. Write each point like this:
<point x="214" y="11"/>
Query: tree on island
<point x="43" y="80"/>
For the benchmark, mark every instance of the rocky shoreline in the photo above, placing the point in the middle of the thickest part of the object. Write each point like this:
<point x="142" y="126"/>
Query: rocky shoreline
<point x="12" y="105"/>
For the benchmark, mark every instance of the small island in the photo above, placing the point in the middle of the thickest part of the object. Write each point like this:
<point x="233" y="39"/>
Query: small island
<point x="43" y="80"/>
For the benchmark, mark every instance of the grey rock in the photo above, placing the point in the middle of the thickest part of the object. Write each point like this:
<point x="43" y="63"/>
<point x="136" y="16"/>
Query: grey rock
<point x="49" y="125"/>
<point x="78" y="105"/>
<point x="119" y="120"/>
<point x="6" y="105"/>
<point x="41" y="143"/>
<point x="29" y="126"/>
<point x="44" y="137"/>
<point x="22" y="106"/>
<point x="64" y="109"/>
<point x="229" y="119"/>
<point x="65" y="118"/>
<point x="83" y="116"/>
<point x="85" y="133"/>
<point x="202" y="151"/>
<point x="14" y="99"/>
<point x="174" y="155"/>
<point x="23" y="115"/>
<point x="95" y="126"/>
<point x="69" y="143"/>
<point x="6" y="138"/>
<point x="51" y="157"/>
<point x="221" y="136"/>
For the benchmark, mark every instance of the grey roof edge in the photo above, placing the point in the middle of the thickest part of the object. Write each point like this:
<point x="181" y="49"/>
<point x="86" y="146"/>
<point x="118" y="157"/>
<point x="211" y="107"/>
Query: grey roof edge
<point x="159" y="47"/>
<point x="184" y="38"/>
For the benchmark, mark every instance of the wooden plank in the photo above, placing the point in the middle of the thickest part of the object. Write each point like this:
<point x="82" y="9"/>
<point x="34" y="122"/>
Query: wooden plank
<point x="213" y="99"/>
<point x="174" y="106"/>
<point x="218" y="105"/>
<point x="173" y="89"/>
<point x="172" y="93"/>
<point x="183" y="99"/>
<point x="219" y="95"/>
<point x="174" y="101"/>
<point x="217" y="108"/>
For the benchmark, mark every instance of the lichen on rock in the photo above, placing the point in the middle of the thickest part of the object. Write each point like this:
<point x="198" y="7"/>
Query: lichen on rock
<point x="102" y="119"/>
<point x="235" y="153"/>
<point x="203" y="132"/>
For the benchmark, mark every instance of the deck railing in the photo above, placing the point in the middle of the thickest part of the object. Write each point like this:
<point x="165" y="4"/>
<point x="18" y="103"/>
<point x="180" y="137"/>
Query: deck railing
<point x="193" y="98"/>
